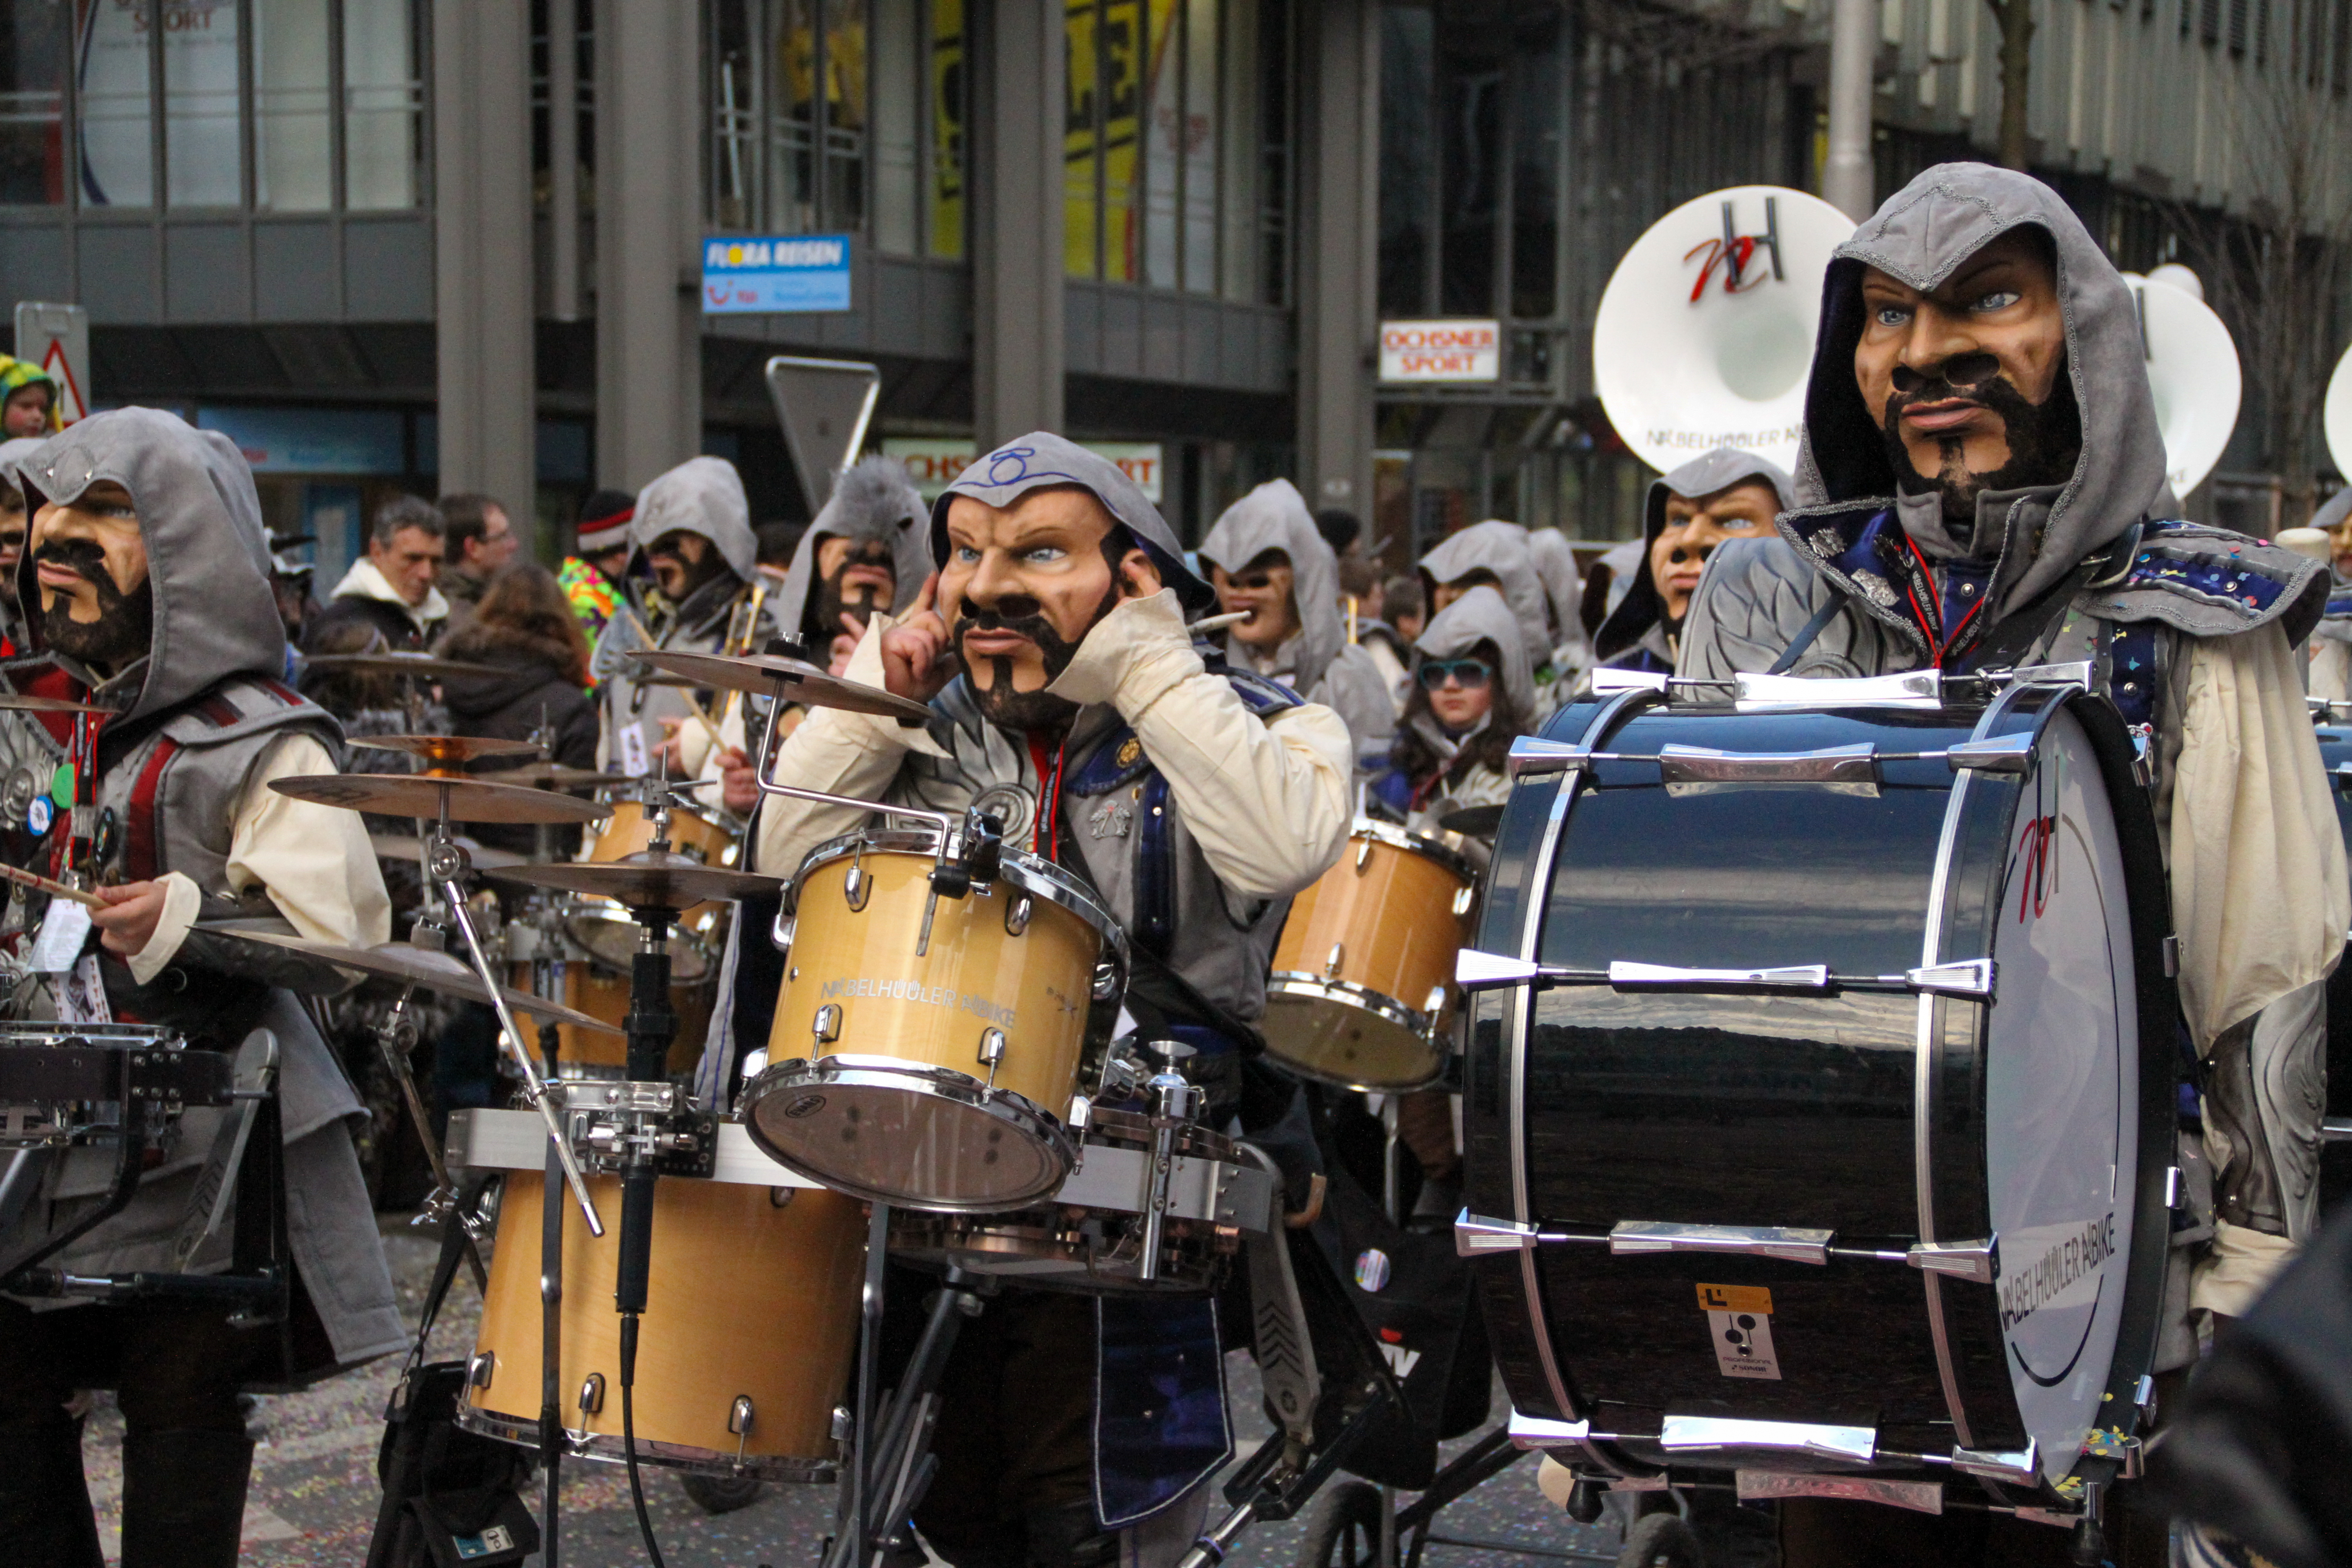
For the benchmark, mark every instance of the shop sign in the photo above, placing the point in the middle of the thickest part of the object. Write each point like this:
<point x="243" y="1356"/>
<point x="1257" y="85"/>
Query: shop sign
<point x="933" y="462"/>
<point x="1443" y="351"/>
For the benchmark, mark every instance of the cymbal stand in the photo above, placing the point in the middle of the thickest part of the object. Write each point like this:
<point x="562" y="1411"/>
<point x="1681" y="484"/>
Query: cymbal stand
<point x="446" y="862"/>
<point x="889" y="1474"/>
<point x="396" y="1037"/>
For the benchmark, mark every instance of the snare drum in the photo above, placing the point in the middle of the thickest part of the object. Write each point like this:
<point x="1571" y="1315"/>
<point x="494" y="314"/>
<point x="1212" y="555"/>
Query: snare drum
<point x="1819" y="1099"/>
<point x="606" y="930"/>
<point x="1362" y="977"/>
<point x="926" y="1048"/>
<point x="745" y="1349"/>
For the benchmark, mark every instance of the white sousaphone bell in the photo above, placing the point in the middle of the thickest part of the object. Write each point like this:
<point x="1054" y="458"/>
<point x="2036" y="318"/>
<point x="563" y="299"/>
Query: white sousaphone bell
<point x="2335" y="415"/>
<point x="2192" y="369"/>
<point x="1706" y="330"/>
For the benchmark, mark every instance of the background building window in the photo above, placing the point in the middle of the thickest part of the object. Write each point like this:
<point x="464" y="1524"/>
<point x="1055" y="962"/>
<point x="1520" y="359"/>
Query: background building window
<point x="33" y="47"/>
<point x="383" y="106"/>
<point x="293" y="106"/>
<point x="200" y="50"/>
<point x="118" y="115"/>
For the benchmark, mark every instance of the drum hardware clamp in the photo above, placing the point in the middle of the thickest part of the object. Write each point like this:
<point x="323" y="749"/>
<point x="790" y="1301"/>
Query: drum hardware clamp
<point x="613" y="1123"/>
<point x="1479" y="1235"/>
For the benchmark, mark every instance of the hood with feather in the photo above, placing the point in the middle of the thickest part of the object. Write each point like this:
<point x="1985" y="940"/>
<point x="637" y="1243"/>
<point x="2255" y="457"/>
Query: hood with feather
<point x="207" y="553"/>
<point x="872" y="500"/>
<point x="1274" y="516"/>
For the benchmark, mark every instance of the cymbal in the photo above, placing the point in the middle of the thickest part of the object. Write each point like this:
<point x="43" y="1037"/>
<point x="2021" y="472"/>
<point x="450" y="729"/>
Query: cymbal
<point x="422" y="968"/>
<point x="555" y="775"/>
<point x="469" y="799"/>
<point x="406" y="846"/>
<point x="1472" y="821"/>
<point x="449" y="751"/>
<point x="645" y="880"/>
<point x="24" y="703"/>
<point x="419" y="666"/>
<point x="762" y="673"/>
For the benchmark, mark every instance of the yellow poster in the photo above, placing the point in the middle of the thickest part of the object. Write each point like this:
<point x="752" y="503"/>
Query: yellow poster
<point x="1079" y="140"/>
<point x="947" y="74"/>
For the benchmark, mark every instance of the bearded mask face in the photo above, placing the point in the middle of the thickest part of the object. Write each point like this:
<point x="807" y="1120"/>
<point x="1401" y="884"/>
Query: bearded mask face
<point x="856" y="578"/>
<point x="1968" y="382"/>
<point x="96" y="601"/>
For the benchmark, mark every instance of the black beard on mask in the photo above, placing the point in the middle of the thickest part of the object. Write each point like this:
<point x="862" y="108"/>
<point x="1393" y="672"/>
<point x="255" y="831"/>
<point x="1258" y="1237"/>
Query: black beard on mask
<point x="125" y="625"/>
<point x="2045" y="443"/>
<point x="698" y="572"/>
<point x="1028" y="711"/>
<point x="826" y="605"/>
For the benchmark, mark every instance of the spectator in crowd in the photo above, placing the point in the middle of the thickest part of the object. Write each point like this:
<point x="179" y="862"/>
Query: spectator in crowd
<point x="524" y="627"/>
<point x="478" y="542"/>
<point x="591" y="576"/>
<point x="1360" y="580"/>
<point x="1407" y="608"/>
<point x="1496" y="553"/>
<point x="28" y="400"/>
<point x="12" y="545"/>
<point x="1340" y="531"/>
<point x="390" y="591"/>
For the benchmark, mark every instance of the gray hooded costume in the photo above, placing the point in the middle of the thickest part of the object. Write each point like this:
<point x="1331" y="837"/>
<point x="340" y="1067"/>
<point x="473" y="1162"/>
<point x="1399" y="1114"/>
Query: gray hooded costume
<point x="1635" y="635"/>
<point x="701" y="496"/>
<point x="1478" y="616"/>
<point x="872" y="501"/>
<point x="2081" y="571"/>
<point x="1318" y="663"/>
<point x="1555" y="562"/>
<point x="197" y="714"/>
<point x="11" y="451"/>
<point x="1501" y="549"/>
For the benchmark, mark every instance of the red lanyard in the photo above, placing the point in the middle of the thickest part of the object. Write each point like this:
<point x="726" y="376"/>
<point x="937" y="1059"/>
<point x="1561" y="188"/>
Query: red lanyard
<point x="1048" y="825"/>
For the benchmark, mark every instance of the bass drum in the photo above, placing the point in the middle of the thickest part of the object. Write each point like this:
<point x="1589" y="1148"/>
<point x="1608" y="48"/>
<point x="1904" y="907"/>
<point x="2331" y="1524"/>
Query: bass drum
<point x="1834" y="1133"/>
<point x="2335" y="1154"/>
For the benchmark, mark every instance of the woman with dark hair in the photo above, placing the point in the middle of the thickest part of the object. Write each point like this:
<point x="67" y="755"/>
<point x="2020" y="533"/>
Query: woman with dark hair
<point x="1472" y="691"/>
<point x="525" y="626"/>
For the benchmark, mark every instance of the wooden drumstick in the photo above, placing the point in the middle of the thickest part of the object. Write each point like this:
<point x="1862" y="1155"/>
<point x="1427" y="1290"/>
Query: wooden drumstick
<point x="40" y="884"/>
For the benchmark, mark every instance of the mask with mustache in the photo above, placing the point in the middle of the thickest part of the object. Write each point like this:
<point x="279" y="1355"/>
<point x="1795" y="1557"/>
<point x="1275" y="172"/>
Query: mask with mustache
<point x="2044" y="442"/>
<point x="1027" y="711"/>
<point x="125" y="624"/>
<point x="828" y="604"/>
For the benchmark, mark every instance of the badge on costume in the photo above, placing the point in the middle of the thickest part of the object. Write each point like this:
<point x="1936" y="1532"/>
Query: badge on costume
<point x="81" y="996"/>
<point x="635" y="761"/>
<point x="38" y="815"/>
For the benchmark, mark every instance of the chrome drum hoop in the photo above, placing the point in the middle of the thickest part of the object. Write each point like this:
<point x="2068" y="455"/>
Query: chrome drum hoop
<point x="1420" y="844"/>
<point x="605" y="1448"/>
<point x="1347" y="994"/>
<point x="1031" y="874"/>
<point x="1018" y="1112"/>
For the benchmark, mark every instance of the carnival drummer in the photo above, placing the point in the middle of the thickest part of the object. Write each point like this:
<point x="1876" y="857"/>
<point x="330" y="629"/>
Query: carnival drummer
<point x="865" y="552"/>
<point x="147" y="590"/>
<point x="1974" y="491"/>
<point x="1064" y="687"/>
<point x="1727" y="494"/>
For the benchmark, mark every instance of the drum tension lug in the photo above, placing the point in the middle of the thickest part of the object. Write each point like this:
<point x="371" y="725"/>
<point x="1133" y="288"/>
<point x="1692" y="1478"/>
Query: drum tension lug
<point x="591" y="1395"/>
<point x="827" y="1024"/>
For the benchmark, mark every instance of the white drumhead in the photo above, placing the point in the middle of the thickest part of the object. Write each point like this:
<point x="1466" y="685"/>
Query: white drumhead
<point x="2062" y="1096"/>
<point x="1684" y="365"/>
<point x="2192" y="369"/>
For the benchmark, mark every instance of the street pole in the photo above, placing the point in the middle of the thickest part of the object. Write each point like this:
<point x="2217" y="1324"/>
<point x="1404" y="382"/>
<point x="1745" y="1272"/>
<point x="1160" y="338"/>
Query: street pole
<point x="1847" y="179"/>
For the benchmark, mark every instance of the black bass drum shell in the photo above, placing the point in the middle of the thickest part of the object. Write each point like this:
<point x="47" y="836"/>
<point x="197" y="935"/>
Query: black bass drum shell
<point x="2049" y="1109"/>
<point x="2336" y="1155"/>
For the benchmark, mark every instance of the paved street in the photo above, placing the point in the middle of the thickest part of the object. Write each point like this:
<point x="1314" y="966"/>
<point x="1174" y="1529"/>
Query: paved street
<point x="314" y="1496"/>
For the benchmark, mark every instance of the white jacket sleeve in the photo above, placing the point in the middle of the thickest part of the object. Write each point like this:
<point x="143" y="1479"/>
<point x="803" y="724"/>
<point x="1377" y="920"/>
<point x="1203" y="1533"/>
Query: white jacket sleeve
<point x="1266" y="799"/>
<point x="841" y="753"/>
<point x="2260" y="895"/>
<point x="314" y="861"/>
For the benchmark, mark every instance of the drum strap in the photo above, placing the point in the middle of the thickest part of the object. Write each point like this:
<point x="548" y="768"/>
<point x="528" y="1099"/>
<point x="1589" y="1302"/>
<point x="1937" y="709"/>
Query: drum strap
<point x="1805" y="635"/>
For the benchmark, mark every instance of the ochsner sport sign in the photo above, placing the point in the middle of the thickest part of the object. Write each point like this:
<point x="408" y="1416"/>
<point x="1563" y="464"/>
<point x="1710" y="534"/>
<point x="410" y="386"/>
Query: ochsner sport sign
<point x="1453" y="350"/>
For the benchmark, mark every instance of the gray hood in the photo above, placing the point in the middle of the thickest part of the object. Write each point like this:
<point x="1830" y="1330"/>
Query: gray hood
<point x="872" y="500"/>
<point x="1481" y="615"/>
<point x="1275" y="517"/>
<point x="207" y="555"/>
<point x="1041" y="458"/>
<point x="704" y="496"/>
<point x="1555" y="562"/>
<point x="16" y="448"/>
<point x="2331" y="513"/>
<point x="1501" y="548"/>
<point x="1923" y="233"/>
<point x="1641" y="608"/>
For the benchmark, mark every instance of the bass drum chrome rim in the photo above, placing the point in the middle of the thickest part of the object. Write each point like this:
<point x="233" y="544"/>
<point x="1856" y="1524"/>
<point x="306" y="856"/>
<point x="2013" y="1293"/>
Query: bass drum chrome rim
<point x="605" y="1448"/>
<point x="876" y="1128"/>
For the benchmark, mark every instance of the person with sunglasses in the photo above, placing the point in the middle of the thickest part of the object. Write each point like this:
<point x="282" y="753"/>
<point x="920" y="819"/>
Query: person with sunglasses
<point x="1727" y="494"/>
<point x="1497" y="554"/>
<point x="1472" y="693"/>
<point x="1267" y="560"/>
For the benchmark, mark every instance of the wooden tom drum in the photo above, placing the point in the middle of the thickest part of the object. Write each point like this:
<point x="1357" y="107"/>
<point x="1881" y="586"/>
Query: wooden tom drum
<point x="1363" y="973"/>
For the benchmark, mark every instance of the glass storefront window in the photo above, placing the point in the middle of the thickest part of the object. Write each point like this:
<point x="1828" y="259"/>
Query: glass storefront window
<point x="293" y="142"/>
<point x="898" y="86"/>
<point x="1539" y="105"/>
<point x="793" y="128"/>
<point x="735" y="117"/>
<point x="1165" y="127"/>
<point x="201" y="160"/>
<point x="34" y="48"/>
<point x="1408" y="139"/>
<point x="845" y="114"/>
<point x="118" y="125"/>
<point x="1204" y="133"/>
<point x="383" y="106"/>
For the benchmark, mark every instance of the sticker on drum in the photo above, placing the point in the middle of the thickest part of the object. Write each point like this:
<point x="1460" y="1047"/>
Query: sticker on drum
<point x="2059" y="1096"/>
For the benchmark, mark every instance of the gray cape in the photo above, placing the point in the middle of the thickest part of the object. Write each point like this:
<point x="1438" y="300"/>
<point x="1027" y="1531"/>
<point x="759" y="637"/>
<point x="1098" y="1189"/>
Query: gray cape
<point x="873" y="499"/>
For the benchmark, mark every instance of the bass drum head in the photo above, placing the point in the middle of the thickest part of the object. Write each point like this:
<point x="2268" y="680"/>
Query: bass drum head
<point x="2062" y="1096"/>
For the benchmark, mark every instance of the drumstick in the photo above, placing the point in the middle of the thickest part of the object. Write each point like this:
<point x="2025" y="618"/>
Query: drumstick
<point x="55" y="889"/>
<point x="1219" y="623"/>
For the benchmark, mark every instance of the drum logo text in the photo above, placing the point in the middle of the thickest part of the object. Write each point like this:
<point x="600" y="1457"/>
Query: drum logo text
<point x="979" y="1007"/>
<point x="2061" y="1274"/>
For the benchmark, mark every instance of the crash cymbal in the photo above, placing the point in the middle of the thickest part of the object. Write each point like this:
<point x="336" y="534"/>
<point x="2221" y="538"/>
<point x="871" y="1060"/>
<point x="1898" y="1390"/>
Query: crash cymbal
<point x="20" y="702"/>
<point x="418" y="666"/>
<point x="802" y="682"/>
<point x="421" y="967"/>
<point x="645" y="880"/>
<point x="1472" y="821"/>
<point x="450" y="750"/>
<point x="405" y="846"/>
<point x="468" y="799"/>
